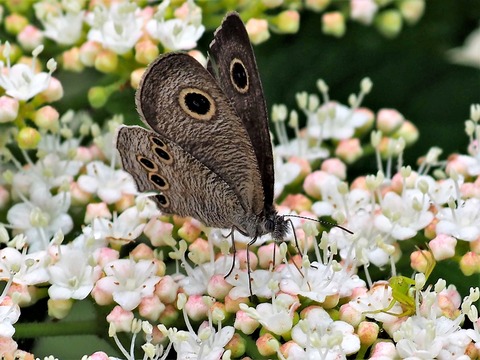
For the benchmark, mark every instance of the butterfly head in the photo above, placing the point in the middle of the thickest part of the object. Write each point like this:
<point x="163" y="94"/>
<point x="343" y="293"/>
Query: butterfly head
<point x="275" y="224"/>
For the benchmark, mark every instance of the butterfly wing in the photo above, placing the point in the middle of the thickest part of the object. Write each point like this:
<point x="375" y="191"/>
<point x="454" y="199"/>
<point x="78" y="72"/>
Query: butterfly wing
<point x="185" y="186"/>
<point x="180" y="100"/>
<point x="232" y="62"/>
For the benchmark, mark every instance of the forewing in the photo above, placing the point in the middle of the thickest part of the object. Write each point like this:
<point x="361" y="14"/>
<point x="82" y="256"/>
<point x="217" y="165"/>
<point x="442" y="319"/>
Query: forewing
<point x="179" y="99"/>
<point x="232" y="62"/>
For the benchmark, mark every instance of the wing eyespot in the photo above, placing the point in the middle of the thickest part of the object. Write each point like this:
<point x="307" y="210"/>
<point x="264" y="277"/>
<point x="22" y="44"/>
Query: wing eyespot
<point x="162" y="200"/>
<point x="239" y="76"/>
<point x="160" y="149"/>
<point x="197" y="103"/>
<point x="146" y="163"/>
<point x="159" y="181"/>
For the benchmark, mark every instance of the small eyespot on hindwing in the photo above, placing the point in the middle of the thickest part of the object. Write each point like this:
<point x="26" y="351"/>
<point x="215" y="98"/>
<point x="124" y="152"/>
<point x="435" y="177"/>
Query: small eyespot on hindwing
<point x="159" y="181"/>
<point x="160" y="149"/>
<point x="146" y="163"/>
<point x="162" y="200"/>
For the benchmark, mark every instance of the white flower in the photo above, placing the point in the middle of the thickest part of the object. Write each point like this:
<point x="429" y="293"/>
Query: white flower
<point x="129" y="281"/>
<point x="285" y="173"/>
<point x="462" y="222"/>
<point x="9" y="315"/>
<point x="179" y="33"/>
<point x="403" y="216"/>
<point x="72" y="277"/>
<point x="207" y="345"/>
<point x="257" y="282"/>
<point x="276" y="316"/>
<point x="126" y="227"/>
<point x="363" y="10"/>
<point x="423" y="338"/>
<point x="41" y="216"/>
<point x="109" y="184"/>
<point x="117" y="28"/>
<point x="340" y="126"/>
<point x="318" y="281"/>
<point x="20" y="81"/>
<point x="63" y="27"/>
<point x="323" y="338"/>
<point x="468" y="53"/>
<point x="26" y="269"/>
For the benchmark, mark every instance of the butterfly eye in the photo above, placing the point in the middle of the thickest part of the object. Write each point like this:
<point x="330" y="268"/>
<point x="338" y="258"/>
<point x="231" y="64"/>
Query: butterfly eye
<point x="147" y="164"/>
<point x="197" y="103"/>
<point x="162" y="200"/>
<point x="239" y="76"/>
<point x="159" y="181"/>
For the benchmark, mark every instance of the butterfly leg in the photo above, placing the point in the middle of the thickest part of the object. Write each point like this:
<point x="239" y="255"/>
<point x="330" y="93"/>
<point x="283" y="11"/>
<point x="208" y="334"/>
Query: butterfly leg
<point x="234" y="253"/>
<point x="295" y="237"/>
<point x="249" y="271"/>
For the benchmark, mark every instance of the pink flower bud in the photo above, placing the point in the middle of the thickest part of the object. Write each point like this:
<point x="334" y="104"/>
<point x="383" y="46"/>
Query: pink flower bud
<point x="412" y="10"/>
<point x="443" y="246"/>
<point x="47" y="118"/>
<point x="474" y="245"/>
<point x="267" y="345"/>
<point x="97" y="210"/>
<point x="8" y="109"/>
<point x="169" y="316"/>
<point x="71" y="60"/>
<point x="312" y="182"/>
<point x="257" y="30"/>
<point x="122" y="319"/>
<point x="335" y="167"/>
<point x="201" y="250"/>
<point x="101" y="296"/>
<point x="53" y="92"/>
<point x="349" y="150"/>
<point x="265" y="255"/>
<point x="409" y="132"/>
<point x="142" y="252"/>
<point x="145" y="51"/>
<point x="389" y="23"/>
<point x="88" y="52"/>
<point x="99" y="355"/>
<point x="459" y="163"/>
<point x="287" y="22"/>
<point x="233" y="305"/>
<point x="242" y="259"/>
<point x="15" y="23"/>
<point x="470" y="263"/>
<point x="30" y="37"/>
<point x="159" y="232"/>
<point x="389" y="121"/>
<point x="59" y="309"/>
<point x="317" y="5"/>
<point x="218" y="287"/>
<point x="190" y="230"/>
<point x="350" y="315"/>
<point x="79" y="197"/>
<point x="297" y="202"/>
<point x="167" y="289"/>
<point x="196" y="308"/>
<point x="421" y="260"/>
<point x="245" y="323"/>
<point x="28" y="138"/>
<point x="363" y="10"/>
<point x="105" y="255"/>
<point x="237" y="345"/>
<point x="150" y="308"/>
<point x="367" y="332"/>
<point x="135" y="77"/>
<point x="384" y="350"/>
<point x="333" y="23"/>
<point x="106" y="61"/>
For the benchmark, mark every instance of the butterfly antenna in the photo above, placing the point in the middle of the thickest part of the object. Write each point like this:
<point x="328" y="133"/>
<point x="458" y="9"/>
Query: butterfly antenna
<point x="323" y="222"/>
